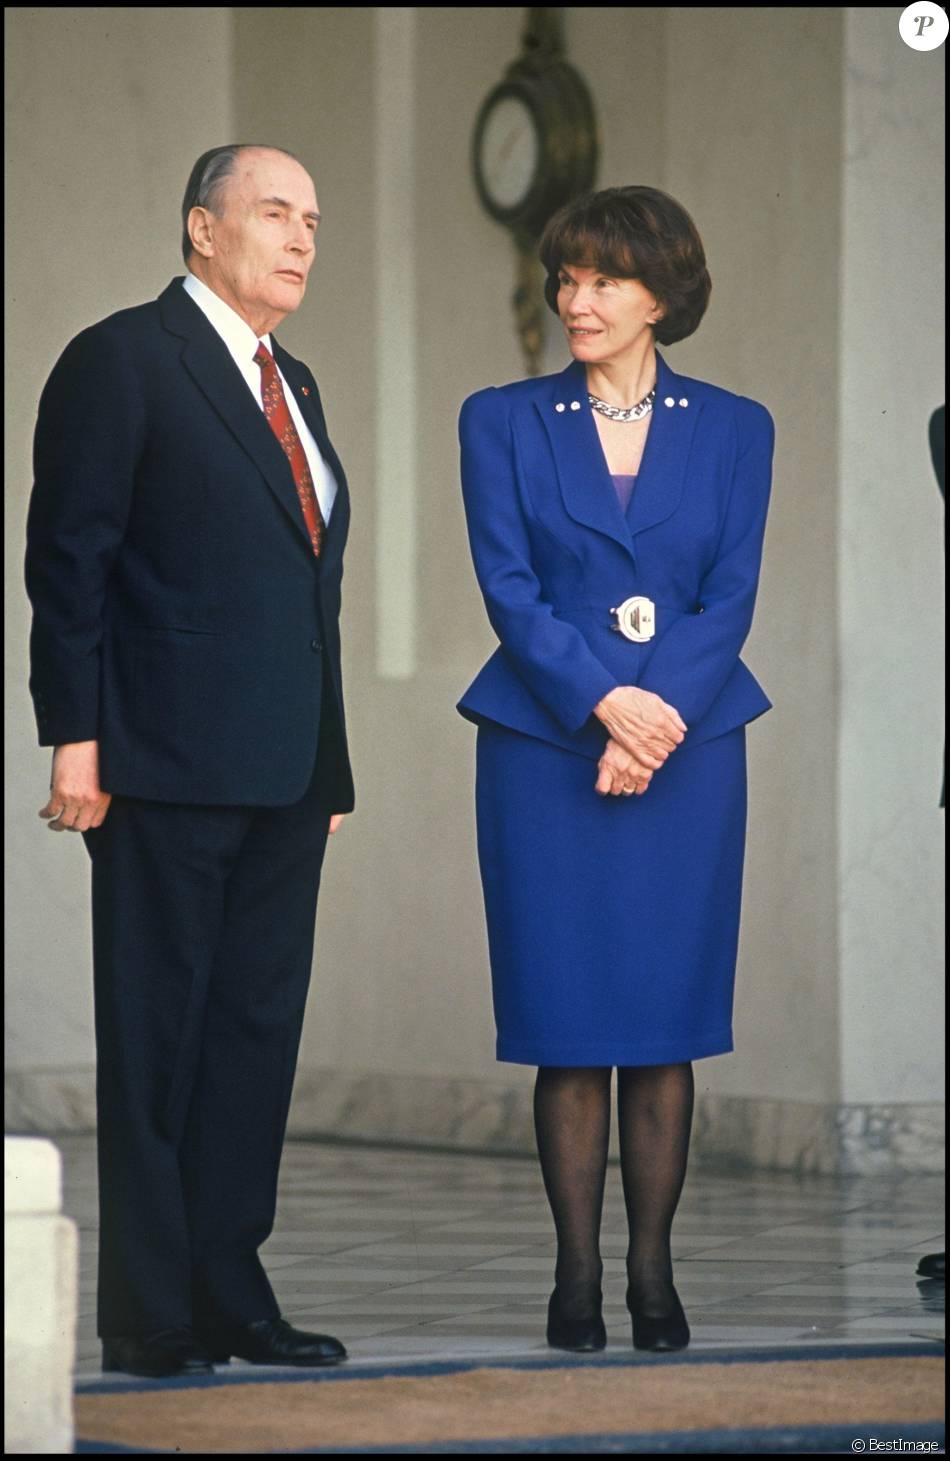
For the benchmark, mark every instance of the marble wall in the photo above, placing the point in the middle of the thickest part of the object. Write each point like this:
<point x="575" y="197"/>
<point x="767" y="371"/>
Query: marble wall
<point x="106" y="110"/>
<point x="753" y="103"/>
<point x="496" y="1114"/>
<point x="782" y="130"/>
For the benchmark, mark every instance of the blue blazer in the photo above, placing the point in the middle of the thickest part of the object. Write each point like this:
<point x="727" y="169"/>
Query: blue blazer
<point x="554" y="553"/>
<point x="179" y="615"/>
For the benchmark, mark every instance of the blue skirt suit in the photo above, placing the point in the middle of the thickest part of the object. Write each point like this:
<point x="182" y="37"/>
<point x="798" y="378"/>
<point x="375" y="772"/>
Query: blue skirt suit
<point x="612" y="921"/>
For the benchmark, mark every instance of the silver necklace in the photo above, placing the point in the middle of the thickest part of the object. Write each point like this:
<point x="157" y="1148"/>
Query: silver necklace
<point x="624" y="413"/>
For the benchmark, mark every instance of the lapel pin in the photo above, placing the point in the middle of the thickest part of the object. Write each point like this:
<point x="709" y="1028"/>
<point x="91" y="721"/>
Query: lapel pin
<point x="306" y="390"/>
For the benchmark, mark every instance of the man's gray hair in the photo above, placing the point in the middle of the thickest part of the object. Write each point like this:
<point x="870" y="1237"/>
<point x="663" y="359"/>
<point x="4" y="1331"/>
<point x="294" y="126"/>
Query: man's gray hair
<point x="207" y="180"/>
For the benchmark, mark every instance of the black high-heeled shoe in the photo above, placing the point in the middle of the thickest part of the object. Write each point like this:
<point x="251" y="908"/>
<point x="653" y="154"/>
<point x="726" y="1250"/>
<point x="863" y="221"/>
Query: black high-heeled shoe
<point x="577" y="1334"/>
<point x="659" y="1332"/>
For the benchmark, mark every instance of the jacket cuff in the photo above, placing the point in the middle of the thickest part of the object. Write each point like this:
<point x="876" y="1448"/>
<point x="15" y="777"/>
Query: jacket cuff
<point x="593" y="693"/>
<point x="54" y="730"/>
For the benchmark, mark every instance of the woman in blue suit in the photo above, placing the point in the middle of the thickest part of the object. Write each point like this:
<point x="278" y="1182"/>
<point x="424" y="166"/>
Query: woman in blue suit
<point x="616" y="514"/>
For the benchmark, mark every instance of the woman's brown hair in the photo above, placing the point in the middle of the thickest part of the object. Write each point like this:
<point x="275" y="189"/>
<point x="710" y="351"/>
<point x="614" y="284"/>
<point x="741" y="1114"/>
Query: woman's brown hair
<point x="633" y="233"/>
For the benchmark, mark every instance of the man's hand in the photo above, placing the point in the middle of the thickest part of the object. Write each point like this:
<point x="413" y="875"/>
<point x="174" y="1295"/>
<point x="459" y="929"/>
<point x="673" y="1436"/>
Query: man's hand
<point x="643" y="724"/>
<point x="620" y="774"/>
<point x="77" y="801"/>
<point x="336" y="822"/>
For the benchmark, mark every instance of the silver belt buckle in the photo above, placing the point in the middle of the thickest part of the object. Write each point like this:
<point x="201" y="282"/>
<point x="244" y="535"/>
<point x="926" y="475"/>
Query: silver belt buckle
<point x="636" y="619"/>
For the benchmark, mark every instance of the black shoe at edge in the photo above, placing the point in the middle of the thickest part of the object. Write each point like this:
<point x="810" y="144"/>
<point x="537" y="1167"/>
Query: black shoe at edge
<point x="275" y="1342"/>
<point x="156" y="1356"/>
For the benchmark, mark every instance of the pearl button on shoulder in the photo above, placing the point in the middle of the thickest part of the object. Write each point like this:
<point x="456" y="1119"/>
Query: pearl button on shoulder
<point x="575" y="405"/>
<point x="684" y="401"/>
<point x="669" y="401"/>
<point x="559" y="406"/>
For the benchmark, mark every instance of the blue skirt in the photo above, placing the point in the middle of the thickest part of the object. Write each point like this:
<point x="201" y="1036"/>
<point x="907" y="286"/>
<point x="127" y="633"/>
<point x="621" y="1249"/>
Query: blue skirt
<point x="613" y="922"/>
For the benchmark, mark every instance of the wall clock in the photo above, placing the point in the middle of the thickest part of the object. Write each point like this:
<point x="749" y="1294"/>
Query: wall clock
<point x="534" y="148"/>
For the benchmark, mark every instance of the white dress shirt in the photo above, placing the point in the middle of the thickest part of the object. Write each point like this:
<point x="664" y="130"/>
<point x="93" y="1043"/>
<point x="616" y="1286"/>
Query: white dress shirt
<point x="242" y="343"/>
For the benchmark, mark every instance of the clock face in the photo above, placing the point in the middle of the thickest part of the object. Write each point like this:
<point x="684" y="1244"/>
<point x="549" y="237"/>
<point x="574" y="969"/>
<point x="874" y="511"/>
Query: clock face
<point x="509" y="152"/>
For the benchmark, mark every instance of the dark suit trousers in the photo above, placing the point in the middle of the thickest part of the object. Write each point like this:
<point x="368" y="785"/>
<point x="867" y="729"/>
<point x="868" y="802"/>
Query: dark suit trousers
<point x="203" y="927"/>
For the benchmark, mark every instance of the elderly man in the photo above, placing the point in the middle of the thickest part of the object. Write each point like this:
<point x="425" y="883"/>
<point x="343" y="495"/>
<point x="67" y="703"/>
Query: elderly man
<point x="185" y="543"/>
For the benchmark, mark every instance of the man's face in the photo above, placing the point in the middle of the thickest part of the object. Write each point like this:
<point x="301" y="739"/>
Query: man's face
<point x="256" y="251"/>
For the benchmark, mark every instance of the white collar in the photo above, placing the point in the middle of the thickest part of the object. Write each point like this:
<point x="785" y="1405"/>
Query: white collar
<point x="235" y="332"/>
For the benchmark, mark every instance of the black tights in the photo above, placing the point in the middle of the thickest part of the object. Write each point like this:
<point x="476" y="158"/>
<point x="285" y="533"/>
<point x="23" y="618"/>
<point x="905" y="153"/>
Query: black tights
<point x="572" y="1123"/>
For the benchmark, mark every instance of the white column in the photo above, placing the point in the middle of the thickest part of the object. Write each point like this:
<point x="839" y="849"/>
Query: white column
<point x="891" y="566"/>
<point x="41" y="1298"/>
<point x="396" y="329"/>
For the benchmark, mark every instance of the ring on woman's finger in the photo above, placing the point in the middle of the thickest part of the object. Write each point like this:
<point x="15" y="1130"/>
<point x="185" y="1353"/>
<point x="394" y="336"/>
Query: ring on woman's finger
<point x="628" y="790"/>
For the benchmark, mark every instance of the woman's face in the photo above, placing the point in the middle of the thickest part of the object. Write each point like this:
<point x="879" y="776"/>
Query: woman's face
<point x="603" y="318"/>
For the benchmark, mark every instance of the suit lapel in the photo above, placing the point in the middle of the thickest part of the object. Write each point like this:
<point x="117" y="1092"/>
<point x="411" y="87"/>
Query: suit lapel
<point x="662" y="474"/>
<point x="586" y="486"/>
<point x="209" y="363"/>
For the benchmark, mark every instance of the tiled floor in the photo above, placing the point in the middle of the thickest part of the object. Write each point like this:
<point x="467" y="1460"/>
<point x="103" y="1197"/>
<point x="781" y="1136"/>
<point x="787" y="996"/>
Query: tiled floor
<point x="408" y="1255"/>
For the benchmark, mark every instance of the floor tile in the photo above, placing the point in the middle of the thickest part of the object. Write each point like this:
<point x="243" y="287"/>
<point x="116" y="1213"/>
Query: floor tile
<point x="413" y="1254"/>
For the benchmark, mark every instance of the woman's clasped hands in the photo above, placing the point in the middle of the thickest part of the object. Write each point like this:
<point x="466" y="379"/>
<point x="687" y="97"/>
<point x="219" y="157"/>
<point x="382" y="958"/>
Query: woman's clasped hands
<point x="643" y="731"/>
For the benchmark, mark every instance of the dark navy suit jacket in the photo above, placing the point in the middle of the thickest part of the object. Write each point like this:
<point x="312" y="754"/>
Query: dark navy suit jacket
<point x="554" y="554"/>
<point x="179" y="615"/>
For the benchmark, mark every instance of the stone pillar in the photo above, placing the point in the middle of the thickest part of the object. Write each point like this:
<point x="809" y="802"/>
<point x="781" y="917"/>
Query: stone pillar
<point x="41" y="1255"/>
<point x="891" y="565"/>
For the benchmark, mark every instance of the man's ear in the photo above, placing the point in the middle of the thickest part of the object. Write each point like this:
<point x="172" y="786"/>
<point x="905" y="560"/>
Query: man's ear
<point x="201" y="231"/>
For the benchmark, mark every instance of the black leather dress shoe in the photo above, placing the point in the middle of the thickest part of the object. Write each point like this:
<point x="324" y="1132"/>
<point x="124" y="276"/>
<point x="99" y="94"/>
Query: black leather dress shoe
<point x="661" y="1333"/>
<point x="274" y="1342"/>
<point x="157" y="1356"/>
<point x="577" y="1334"/>
<point x="933" y="1265"/>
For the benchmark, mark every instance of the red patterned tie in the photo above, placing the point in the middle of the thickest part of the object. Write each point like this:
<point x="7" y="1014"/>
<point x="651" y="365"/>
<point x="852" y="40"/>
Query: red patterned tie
<point x="282" y="425"/>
